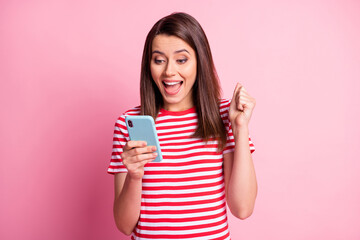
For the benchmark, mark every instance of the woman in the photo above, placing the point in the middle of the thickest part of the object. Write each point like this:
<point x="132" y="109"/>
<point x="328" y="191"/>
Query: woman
<point x="204" y="142"/>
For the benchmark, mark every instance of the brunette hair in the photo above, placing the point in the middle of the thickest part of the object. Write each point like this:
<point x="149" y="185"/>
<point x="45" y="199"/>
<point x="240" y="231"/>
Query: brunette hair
<point x="206" y="89"/>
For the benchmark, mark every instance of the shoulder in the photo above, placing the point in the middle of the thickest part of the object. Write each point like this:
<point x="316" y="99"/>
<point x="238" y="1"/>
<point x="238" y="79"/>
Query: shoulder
<point x="224" y="105"/>
<point x="130" y="112"/>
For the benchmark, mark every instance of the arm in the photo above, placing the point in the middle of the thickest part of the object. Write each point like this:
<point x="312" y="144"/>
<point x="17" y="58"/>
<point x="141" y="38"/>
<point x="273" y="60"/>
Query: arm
<point x="239" y="171"/>
<point x="128" y="186"/>
<point x="127" y="202"/>
<point x="240" y="178"/>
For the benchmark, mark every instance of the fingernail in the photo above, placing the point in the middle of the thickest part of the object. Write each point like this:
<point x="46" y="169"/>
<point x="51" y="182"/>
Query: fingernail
<point x="153" y="148"/>
<point x="155" y="154"/>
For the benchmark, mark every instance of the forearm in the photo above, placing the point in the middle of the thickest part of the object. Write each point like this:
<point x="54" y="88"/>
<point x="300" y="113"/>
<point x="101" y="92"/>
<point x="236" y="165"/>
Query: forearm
<point x="242" y="186"/>
<point x="127" y="205"/>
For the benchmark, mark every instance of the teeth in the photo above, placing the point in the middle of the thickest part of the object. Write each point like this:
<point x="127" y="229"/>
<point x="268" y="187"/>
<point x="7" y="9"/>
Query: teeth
<point x="171" y="83"/>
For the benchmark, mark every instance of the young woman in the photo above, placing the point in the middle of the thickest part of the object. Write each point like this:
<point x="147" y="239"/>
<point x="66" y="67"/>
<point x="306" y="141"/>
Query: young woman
<point x="204" y="141"/>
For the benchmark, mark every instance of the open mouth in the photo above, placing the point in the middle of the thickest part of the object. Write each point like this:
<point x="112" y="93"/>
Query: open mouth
<point x="172" y="87"/>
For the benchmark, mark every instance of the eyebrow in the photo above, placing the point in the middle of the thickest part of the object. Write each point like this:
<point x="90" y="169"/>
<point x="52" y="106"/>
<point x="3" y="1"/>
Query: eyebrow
<point x="178" y="51"/>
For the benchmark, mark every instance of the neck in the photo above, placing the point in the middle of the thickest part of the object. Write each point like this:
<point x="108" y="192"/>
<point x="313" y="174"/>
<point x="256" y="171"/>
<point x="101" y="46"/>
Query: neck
<point x="178" y="107"/>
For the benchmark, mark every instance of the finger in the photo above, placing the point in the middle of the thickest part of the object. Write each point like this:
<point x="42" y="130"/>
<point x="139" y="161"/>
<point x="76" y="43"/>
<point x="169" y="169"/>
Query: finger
<point x="143" y="157"/>
<point x="137" y="150"/>
<point x="147" y="161"/>
<point x="135" y="166"/>
<point x="243" y="89"/>
<point x="132" y="144"/>
<point x="141" y="150"/>
<point x="235" y="98"/>
<point x="237" y="87"/>
<point x="141" y="164"/>
<point x="239" y="104"/>
<point x="248" y="103"/>
<point x="245" y="97"/>
<point x="239" y="101"/>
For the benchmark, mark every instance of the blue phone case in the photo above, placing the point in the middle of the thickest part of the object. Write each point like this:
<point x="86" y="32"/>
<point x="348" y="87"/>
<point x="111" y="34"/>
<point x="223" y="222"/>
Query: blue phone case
<point x="142" y="128"/>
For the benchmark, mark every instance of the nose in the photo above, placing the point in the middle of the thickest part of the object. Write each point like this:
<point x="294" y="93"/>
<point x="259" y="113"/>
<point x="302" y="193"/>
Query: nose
<point x="170" y="69"/>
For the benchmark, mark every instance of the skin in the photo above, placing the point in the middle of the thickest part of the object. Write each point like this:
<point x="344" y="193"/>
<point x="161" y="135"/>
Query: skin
<point x="239" y="172"/>
<point x="174" y="59"/>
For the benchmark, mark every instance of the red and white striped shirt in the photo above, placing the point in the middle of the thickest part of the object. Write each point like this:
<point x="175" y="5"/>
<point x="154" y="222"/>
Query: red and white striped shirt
<point x="183" y="197"/>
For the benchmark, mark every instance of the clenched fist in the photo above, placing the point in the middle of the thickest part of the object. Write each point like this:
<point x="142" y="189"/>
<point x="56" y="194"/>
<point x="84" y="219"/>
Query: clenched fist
<point x="241" y="107"/>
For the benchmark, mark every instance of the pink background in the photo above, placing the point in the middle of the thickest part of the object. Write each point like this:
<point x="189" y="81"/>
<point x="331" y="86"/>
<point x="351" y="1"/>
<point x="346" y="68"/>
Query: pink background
<point x="69" y="68"/>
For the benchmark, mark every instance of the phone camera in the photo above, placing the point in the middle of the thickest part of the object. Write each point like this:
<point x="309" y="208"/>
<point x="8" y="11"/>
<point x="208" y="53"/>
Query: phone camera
<point x="130" y="123"/>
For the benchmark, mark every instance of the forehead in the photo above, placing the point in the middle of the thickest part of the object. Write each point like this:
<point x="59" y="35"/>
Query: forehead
<point x="169" y="44"/>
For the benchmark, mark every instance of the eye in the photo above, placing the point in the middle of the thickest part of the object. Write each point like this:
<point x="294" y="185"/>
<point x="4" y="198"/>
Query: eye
<point x="182" y="61"/>
<point x="158" y="61"/>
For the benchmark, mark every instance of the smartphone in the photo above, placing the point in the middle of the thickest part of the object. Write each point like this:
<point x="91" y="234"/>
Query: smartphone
<point x="142" y="128"/>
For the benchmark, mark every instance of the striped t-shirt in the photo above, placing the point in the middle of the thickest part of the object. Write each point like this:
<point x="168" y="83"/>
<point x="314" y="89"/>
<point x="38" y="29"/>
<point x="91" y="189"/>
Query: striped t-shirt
<point x="183" y="197"/>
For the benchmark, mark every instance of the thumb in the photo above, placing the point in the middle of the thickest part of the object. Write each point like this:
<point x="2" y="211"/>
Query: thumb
<point x="235" y="96"/>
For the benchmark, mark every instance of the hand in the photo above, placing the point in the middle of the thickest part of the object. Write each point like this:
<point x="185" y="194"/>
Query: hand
<point x="135" y="155"/>
<point x="241" y="107"/>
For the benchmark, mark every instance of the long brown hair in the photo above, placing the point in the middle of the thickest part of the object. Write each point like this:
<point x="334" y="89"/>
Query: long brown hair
<point x="206" y="89"/>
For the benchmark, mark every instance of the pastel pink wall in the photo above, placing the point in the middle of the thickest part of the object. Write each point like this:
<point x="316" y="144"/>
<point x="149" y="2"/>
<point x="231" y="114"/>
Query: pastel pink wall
<point x="69" y="68"/>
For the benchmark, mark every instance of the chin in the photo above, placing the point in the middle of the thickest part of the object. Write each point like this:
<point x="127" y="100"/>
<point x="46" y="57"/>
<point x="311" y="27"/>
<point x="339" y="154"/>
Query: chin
<point x="172" y="100"/>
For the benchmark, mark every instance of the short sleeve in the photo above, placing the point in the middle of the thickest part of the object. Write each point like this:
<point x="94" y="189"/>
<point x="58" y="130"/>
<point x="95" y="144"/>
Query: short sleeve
<point x="230" y="142"/>
<point x="120" y="138"/>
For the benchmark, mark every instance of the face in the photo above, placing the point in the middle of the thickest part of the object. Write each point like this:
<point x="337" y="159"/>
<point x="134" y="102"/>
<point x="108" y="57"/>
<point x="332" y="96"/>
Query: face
<point x="173" y="68"/>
